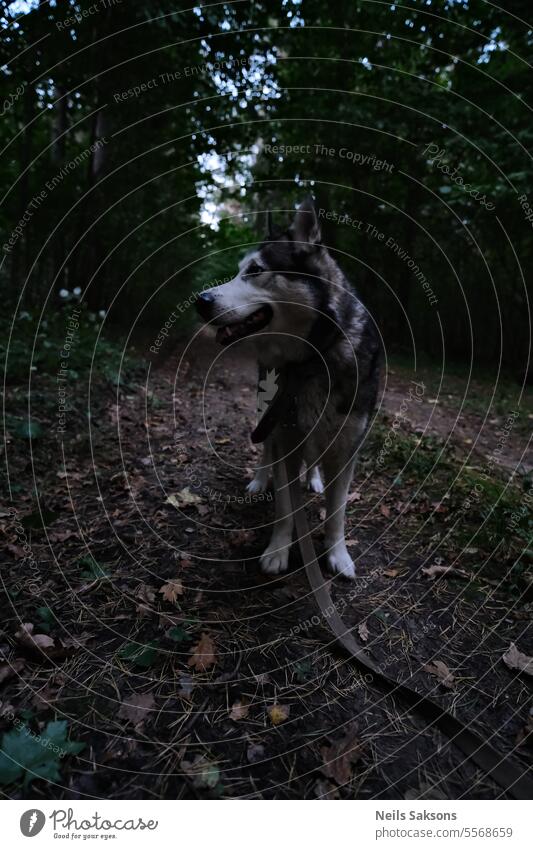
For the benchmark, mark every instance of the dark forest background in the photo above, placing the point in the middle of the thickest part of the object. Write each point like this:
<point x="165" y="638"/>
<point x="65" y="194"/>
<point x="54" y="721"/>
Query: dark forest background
<point x="135" y="160"/>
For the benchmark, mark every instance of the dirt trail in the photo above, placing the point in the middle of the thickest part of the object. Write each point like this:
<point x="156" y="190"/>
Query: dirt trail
<point x="447" y="415"/>
<point x="245" y="695"/>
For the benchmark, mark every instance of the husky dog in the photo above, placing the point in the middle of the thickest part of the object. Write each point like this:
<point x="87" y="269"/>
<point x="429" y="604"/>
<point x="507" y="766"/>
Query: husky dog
<point x="295" y="303"/>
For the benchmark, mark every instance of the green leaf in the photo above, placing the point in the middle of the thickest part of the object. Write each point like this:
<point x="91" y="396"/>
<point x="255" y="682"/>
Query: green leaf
<point x="28" y="755"/>
<point x="178" y="634"/>
<point x="28" y="430"/>
<point x="46" y="618"/>
<point x="140" y="655"/>
<point x="303" y="670"/>
<point x="93" y="570"/>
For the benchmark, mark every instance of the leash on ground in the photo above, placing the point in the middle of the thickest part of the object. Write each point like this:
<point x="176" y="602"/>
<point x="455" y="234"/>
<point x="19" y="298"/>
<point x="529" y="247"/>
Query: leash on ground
<point x="507" y="774"/>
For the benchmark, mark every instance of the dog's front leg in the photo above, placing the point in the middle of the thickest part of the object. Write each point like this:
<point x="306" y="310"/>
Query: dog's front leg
<point x="337" y="487"/>
<point x="263" y="471"/>
<point x="275" y="558"/>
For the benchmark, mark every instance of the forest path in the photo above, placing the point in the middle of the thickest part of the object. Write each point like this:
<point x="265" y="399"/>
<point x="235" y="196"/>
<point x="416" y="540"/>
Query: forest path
<point x="187" y="672"/>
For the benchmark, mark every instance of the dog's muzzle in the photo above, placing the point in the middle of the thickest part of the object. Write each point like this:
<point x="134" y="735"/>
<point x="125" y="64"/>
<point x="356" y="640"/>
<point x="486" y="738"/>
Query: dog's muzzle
<point x="204" y="305"/>
<point x="253" y="323"/>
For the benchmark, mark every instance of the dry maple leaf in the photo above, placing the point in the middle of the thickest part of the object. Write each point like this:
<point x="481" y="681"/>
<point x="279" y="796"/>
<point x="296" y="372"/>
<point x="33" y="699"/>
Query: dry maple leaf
<point x="278" y="713"/>
<point x="239" y="710"/>
<point x="363" y="631"/>
<point x="172" y="590"/>
<point x="183" y="498"/>
<point x="27" y="638"/>
<point x="136" y="708"/>
<point x="340" y="757"/>
<point x="515" y="659"/>
<point x="203" y="654"/>
<point x="441" y="671"/>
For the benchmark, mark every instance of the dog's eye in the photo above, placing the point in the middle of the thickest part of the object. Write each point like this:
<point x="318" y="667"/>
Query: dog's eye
<point x="254" y="268"/>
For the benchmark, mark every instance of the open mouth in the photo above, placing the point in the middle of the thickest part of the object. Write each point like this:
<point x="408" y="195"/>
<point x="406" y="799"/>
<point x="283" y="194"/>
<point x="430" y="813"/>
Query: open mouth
<point x="251" y="324"/>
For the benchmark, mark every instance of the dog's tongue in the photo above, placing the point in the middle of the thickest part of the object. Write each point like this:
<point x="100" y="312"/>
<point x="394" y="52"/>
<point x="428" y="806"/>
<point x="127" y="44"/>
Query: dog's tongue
<point x="242" y="328"/>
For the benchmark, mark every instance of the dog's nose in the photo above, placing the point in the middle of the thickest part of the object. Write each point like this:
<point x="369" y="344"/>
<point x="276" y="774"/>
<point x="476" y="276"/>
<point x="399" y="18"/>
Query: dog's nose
<point x="204" y="304"/>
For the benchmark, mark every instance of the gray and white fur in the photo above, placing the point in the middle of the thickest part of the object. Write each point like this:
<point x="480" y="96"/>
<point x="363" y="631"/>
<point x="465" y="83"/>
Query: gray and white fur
<point x="285" y="296"/>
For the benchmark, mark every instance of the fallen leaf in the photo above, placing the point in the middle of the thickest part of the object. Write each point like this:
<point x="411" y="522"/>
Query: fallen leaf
<point x="239" y="710"/>
<point x="136" y="708"/>
<point x="440" y="671"/>
<point x="255" y="752"/>
<point x="515" y="659"/>
<point x="203" y="772"/>
<point x="145" y="593"/>
<point x="391" y="573"/>
<point x="183" y="498"/>
<point x="353" y="496"/>
<point x="172" y="590"/>
<point x="24" y="755"/>
<point x="140" y="654"/>
<point x="278" y="713"/>
<point x="186" y="686"/>
<point x="363" y="631"/>
<point x="384" y="510"/>
<point x="9" y="670"/>
<point x="27" y="638"/>
<point x="61" y="536"/>
<point x="339" y="758"/>
<point x="241" y="537"/>
<point x="203" y="654"/>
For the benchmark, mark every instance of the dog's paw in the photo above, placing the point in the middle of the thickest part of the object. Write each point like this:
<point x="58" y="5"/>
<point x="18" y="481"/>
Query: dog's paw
<point x="314" y="481"/>
<point x="275" y="559"/>
<point x="340" y="563"/>
<point x="258" y="484"/>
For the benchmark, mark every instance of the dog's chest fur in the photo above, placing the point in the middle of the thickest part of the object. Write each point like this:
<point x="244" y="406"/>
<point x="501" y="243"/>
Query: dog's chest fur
<point x="327" y="430"/>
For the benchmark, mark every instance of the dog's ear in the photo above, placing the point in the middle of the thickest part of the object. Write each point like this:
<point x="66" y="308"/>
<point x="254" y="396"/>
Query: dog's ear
<point x="305" y="227"/>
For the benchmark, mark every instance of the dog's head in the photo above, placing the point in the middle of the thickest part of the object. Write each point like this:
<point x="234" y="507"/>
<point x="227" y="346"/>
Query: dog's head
<point x="281" y="289"/>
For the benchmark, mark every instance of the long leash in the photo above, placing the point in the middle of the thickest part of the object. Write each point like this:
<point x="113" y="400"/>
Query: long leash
<point x="498" y="766"/>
